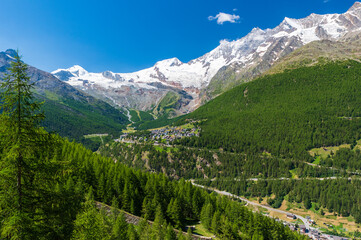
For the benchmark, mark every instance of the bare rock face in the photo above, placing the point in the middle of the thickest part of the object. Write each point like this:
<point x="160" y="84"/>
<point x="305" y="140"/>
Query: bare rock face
<point x="231" y="63"/>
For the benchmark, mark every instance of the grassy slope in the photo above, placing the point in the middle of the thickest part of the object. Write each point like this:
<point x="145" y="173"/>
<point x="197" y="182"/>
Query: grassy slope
<point x="140" y="116"/>
<point x="165" y="110"/>
<point x="167" y="105"/>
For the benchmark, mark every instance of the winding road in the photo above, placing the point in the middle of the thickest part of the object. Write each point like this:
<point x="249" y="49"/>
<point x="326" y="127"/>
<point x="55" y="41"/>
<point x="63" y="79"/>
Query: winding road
<point x="304" y="220"/>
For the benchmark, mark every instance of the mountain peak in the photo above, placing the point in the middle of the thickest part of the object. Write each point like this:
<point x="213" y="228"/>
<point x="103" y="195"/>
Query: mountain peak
<point x="11" y="52"/>
<point x="355" y="6"/>
<point x="78" y="70"/>
<point x="169" y="62"/>
<point x="292" y="22"/>
<point x="75" y="70"/>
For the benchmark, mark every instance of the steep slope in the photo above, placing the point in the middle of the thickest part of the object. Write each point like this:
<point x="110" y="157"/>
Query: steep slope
<point x="290" y="35"/>
<point x="69" y="111"/>
<point x="348" y="47"/>
<point x="230" y="64"/>
<point x="286" y="114"/>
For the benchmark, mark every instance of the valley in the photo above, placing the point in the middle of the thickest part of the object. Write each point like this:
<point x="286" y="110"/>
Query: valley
<point x="266" y="174"/>
<point x="257" y="139"/>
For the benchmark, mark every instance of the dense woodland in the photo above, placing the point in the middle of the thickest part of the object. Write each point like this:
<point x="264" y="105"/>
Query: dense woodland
<point x="285" y="114"/>
<point x="48" y="187"/>
<point x="143" y="193"/>
<point x="342" y="196"/>
<point x="78" y="171"/>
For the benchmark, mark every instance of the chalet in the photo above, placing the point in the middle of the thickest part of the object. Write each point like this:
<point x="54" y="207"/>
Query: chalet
<point x="315" y="234"/>
<point x="290" y="216"/>
<point x="311" y="221"/>
<point x="292" y="227"/>
<point x="303" y="229"/>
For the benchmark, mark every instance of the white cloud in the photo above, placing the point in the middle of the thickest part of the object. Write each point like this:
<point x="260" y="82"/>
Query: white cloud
<point x="224" y="17"/>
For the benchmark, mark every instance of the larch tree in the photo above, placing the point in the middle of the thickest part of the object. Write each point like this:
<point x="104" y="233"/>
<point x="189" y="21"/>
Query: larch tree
<point x="28" y="171"/>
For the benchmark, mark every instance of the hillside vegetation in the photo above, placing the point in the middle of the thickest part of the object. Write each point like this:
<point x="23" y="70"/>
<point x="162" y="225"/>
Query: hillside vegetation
<point x="286" y="113"/>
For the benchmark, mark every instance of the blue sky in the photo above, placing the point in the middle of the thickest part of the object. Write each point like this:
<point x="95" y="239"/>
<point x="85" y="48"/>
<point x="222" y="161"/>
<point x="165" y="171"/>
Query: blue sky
<point x="129" y="35"/>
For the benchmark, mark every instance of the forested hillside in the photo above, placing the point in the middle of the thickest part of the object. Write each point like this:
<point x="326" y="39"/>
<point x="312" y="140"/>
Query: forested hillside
<point x="51" y="188"/>
<point x="152" y="196"/>
<point x="285" y="114"/>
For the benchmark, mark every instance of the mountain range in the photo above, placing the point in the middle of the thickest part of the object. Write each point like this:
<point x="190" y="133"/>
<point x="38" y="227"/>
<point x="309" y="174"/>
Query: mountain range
<point x="69" y="112"/>
<point x="228" y="65"/>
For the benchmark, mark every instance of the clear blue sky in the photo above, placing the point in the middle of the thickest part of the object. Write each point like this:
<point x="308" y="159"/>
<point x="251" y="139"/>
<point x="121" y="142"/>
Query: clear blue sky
<point x="129" y="35"/>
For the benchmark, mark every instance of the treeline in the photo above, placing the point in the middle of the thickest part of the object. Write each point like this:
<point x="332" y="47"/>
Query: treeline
<point x="285" y="114"/>
<point x="342" y="196"/>
<point x="192" y="163"/>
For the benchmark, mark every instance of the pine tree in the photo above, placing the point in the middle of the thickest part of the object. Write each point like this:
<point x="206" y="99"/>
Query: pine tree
<point x="132" y="234"/>
<point x="206" y="215"/>
<point x="180" y="235"/>
<point x="215" y="222"/>
<point x="126" y="198"/>
<point x="189" y="234"/>
<point x="120" y="229"/>
<point x="115" y="207"/>
<point x="28" y="166"/>
<point x="170" y="235"/>
<point x="89" y="223"/>
<point x="174" y="212"/>
<point x="158" y="228"/>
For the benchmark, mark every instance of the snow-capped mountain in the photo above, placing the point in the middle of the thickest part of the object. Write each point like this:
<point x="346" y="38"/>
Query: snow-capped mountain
<point x="248" y="56"/>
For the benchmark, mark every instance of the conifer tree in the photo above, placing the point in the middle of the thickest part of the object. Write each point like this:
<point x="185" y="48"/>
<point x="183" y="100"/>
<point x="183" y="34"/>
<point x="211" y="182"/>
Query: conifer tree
<point x="170" y="235"/>
<point x="180" y="235"/>
<point x="174" y="212"/>
<point x="28" y="166"/>
<point x="89" y="223"/>
<point x="132" y="234"/>
<point x="158" y="228"/>
<point x="120" y="229"/>
<point x="206" y="215"/>
<point x="189" y="234"/>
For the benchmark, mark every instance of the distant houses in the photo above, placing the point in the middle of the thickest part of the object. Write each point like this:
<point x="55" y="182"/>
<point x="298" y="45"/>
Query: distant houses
<point x="167" y="135"/>
<point x="291" y="216"/>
